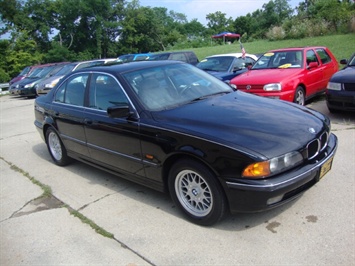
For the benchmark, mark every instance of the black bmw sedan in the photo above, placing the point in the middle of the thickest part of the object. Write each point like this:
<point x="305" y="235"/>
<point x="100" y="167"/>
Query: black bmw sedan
<point x="173" y="127"/>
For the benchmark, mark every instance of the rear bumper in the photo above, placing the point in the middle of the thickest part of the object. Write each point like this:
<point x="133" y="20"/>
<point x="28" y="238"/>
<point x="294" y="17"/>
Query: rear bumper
<point x="260" y="195"/>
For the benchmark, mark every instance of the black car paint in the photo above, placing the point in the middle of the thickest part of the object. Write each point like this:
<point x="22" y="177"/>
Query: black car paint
<point x="343" y="100"/>
<point x="225" y="133"/>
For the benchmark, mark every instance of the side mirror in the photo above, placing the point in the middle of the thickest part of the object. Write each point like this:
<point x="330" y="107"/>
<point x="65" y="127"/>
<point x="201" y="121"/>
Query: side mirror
<point x="343" y="61"/>
<point x="118" y="111"/>
<point x="312" y="65"/>
<point x="235" y="69"/>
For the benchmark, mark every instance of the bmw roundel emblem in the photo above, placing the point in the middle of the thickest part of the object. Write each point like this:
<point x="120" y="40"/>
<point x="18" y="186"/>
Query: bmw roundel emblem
<point x="248" y="87"/>
<point x="312" y="130"/>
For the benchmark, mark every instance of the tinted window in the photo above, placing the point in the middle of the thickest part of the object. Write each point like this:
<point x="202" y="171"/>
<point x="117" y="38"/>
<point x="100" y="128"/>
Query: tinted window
<point x="192" y="58"/>
<point x="105" y="92"/>
<point x="323" y="55"/>
<point x="178" y="57"/>
<point x="311" y="57"/>
<point x="72" y="91"/>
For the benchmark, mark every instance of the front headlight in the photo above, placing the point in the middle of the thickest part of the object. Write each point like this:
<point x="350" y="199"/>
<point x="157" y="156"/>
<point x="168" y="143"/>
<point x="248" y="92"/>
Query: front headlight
<point x="273" y="166"/>
<point x="334" y="86"/>
<point x="52" y="84"/>
<point x="30" y="85"/>
<point x="272" y="87"/>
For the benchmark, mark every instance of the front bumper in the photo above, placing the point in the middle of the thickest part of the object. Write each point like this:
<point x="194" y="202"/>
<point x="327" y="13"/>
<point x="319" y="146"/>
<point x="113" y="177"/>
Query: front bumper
<point x="342" y="100"/>
<point x="280" y="95"/>
<point x="27" y="92"/>
<point x="259" y="195"/>
<point x="42" y="90"/>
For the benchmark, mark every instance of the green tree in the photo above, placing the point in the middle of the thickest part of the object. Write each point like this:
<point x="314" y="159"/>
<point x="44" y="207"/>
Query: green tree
<point x="218" y="22"/>
<point x="16" y="55"/>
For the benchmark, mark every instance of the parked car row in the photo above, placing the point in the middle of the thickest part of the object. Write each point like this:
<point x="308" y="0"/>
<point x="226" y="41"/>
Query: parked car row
<point x="291" y="74"/>
<point x="39" y="79"/>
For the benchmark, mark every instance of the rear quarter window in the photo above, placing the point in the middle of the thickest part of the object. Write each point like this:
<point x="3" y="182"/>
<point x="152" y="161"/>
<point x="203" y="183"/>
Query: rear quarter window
<point x="323" y="55"/>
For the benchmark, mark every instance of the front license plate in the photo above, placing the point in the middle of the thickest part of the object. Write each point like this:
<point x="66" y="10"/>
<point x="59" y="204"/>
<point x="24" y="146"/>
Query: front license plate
<point x="326" y="167"/>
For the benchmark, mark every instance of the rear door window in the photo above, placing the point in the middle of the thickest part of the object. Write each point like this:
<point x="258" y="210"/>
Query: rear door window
<point x="323" y="55"/>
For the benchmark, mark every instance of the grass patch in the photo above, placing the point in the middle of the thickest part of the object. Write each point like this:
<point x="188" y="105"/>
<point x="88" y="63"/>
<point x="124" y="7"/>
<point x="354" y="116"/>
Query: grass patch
<point x="93" y="225"/>
<point x="342" y="46"/>
<point x="47" y="192"/>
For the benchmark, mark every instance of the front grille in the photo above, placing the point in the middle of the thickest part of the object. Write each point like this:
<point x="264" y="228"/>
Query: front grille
<point x="315" y="146"/>
<point x="313" y="149"/>
<point x="349" y="86"/>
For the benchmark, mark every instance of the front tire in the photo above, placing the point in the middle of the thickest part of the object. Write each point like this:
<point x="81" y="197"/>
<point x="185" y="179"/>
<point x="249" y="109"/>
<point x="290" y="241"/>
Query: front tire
<point x="299" y="96"/>
<point x="196" y="191"/>
<point x="56" y="148"/>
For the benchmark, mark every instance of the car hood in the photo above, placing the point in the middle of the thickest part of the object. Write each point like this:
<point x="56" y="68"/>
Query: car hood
<point x="242" y="121"/>
<point x="346" y="75"/>
<point x="223" y="75"/>
<point x="265" y="76"/>
<point x="28" y="80"/>
<point x="49" y="80"/>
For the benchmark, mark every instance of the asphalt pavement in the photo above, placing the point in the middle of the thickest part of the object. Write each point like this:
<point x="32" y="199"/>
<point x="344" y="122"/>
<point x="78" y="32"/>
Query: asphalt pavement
<point x="79" y="215"/>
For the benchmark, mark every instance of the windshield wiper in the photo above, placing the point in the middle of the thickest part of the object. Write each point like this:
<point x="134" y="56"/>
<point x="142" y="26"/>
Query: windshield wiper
<point x="209" y="95"/>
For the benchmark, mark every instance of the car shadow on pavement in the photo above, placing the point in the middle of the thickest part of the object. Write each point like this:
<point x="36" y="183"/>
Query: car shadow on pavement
<point x="92" y="177"/>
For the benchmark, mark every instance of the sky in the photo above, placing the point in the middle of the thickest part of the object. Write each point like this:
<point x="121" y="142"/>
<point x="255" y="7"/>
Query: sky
<point x="198" y="9"/>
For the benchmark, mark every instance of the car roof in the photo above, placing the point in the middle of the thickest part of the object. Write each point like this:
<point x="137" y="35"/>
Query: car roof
<point x="126" y="67"/>
<point x="232" y="54"/>
<point x="296" y="48"/>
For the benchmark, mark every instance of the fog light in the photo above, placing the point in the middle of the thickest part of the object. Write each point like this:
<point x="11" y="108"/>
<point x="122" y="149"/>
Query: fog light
<point x="274" y="200"/>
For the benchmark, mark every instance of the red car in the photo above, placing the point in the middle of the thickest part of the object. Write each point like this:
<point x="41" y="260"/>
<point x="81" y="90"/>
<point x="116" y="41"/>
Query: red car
<point x="290" y="74"/>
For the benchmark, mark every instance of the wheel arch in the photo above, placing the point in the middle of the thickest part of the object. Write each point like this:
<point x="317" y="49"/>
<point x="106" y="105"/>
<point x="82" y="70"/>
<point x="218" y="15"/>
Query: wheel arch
<point x="183" y="156"/>
<point x="303" y="87"/>
<point x="48" y="123"/>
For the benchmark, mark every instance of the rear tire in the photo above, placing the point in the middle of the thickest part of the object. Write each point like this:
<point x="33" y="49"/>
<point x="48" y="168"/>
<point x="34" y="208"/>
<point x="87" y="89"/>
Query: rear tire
<point x="299" y="96"/>
<point x="56" y="148"/>
<point x="196" y="191"/>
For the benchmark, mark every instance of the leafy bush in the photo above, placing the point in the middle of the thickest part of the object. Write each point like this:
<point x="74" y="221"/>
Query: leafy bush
<point x="4" y="77"/>
<point x="276" y="33"/>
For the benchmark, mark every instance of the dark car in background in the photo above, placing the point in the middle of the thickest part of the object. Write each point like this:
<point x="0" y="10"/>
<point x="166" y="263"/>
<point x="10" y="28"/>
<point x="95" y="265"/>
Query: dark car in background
<point x="227" y="66"/>
<point x="33" y="76"/>
<point x="45" y="85"/>
<point x="340" y="93"/>
<point x="173" y="127"/>
<point x="27" y="86"/>
<point x="183" y="56"/>
<point x="133" y="57"/>
<point x="24" y="73"/>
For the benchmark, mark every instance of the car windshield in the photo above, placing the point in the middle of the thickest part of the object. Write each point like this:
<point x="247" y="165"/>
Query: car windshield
<point x="35" y="73"/>
<point x="216" y="63"/>
<point x="280" y="59"/>
<point x="126" y="58"/>
<point x="65" y="70"/>
<point x="45" y="71"/>
<point x="169" y="86"/>
<point x="352" y="62"/>
<point x="159" y="57"/>
<point x="25" y="71"/>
